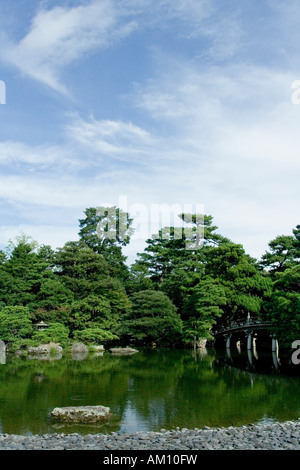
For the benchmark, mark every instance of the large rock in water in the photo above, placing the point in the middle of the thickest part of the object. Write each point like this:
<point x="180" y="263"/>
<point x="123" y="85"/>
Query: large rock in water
<point x="81" y="414"/>
<point x="45" y="349"/>
<point x="79" y="348"/>
<point x="79" y="351"/>
<point x="121" y="351"/>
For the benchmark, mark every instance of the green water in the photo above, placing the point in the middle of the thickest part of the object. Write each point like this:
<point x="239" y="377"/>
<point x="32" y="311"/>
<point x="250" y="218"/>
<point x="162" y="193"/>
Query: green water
<point x="150" y="390"/>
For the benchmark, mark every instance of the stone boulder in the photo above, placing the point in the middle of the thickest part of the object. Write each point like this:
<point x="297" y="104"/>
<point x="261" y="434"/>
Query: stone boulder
<point x="121" y="351"/>
<point x="79" y="351"/>
<point x="44" y="349"/>
<point x="81" y="414"/>
<point x="79" y="348"/>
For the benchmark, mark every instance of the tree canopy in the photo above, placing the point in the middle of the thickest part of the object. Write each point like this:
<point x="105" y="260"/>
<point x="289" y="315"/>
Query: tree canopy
<point x="186" y="282"/>
<point x="152" y="318"/>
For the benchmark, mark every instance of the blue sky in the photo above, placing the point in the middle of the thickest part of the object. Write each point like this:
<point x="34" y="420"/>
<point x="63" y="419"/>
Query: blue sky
<point x="187" y="102"/>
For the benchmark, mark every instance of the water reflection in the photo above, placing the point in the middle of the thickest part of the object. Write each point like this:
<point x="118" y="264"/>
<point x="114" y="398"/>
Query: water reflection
<point x="79" y="355"/>
<point x="266" y="361"/>
<point x="150" y="390"/>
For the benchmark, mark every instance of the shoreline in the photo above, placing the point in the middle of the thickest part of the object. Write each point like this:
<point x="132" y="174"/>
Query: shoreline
<point x="273" y="436"/>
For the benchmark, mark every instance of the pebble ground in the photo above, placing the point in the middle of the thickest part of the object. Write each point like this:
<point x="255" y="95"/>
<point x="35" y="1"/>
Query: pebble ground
<point x="275" y="436"/>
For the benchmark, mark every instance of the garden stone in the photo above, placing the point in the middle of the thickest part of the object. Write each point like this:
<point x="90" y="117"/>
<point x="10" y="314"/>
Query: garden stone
<point x="121" y="351"/>
<point x="81" y="414"/>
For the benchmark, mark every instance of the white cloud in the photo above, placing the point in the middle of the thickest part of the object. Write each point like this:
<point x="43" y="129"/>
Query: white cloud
<point x="62" y="35"/>
<point x="237" y="131"/>
<point x="225" y="136"/>
<point x="232" y="145"/>
<point x="107" y="137"/>
<point x="47" y="191"/>
<point x="37" y="158"/>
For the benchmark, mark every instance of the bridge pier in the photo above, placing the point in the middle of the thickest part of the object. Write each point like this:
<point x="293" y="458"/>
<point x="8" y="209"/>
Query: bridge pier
<point x="227" y="339"/>
<point x="275" y="352"/>
<point x="250" y="357"/>
<point x="249" y="340"/>
<point x="274" y="345"/>
<point x="250" y="329"/>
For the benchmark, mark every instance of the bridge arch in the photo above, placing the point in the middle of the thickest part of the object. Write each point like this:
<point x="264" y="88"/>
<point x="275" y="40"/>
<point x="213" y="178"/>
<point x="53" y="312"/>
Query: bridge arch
<point x="247" y="335"/>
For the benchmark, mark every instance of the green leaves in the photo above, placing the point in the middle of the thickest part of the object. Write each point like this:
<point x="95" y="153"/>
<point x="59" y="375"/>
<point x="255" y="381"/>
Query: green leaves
<point x="169" y="294"/>
<point x="105" y="226"/>
<point x="202" y="308"/>
<point x="94" y="335"/>
<point x="15" y="323"/>
<point x="178" y="271"/>
<point x="105" y="230"/>
<point x="55" y="333"/>
<point x="284" y="252"/>
<point x="153" y="317"/>
<point x="283" y="307"/>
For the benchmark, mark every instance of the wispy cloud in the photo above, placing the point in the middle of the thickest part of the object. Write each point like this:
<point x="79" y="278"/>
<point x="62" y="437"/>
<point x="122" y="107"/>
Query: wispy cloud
<point x="14" y="155"/>
<point x="212" y="123"/>
<point x="122" y="140"/>
<point x="61" y="35"/>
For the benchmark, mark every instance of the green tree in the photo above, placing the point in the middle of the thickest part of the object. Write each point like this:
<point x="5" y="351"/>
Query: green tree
<point x="284" y="252"/>
<point x="22" y="272"/>
<point x="99" y="297"/>
<point x="15" y="323"/>
<point x="105" y="230"/>
<point x="175" y="258"/>
<point x="176" y="264"/>
<point x="61" y="314"/>
<point x="244" y="285"/>
<point x="153" y="317"/>
<point x="201" y="231"/>
<point x="81" y="269"/>
<point x="55" y="333"/>
<point x="202" y="307"/>
<point x="105" y="226"/>
<point x="283" y="307"/>
<point x="138" y="279"/>
<point x="162" y="254"/>
<point x="91" y="309"/>
<point x="94" y="335"/>
<point x="52" y="295"/>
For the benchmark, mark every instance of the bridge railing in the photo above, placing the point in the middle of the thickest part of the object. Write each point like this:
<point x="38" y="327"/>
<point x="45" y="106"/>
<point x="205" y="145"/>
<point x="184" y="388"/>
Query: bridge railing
<point x="240" y="323"/>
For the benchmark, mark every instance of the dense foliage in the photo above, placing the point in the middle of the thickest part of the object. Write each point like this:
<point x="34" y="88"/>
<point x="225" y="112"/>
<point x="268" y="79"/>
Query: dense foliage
<point x="187" y="281"/>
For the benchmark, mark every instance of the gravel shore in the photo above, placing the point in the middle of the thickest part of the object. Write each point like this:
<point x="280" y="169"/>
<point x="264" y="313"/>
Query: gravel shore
<point x="277" y="436"/>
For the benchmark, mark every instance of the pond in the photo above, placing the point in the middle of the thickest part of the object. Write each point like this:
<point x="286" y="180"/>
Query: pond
<point x="147" y="391"/>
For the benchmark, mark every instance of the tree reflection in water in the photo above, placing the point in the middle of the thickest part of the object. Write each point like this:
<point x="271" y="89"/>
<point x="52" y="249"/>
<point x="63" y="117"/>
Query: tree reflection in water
<point x="153" y="389"/>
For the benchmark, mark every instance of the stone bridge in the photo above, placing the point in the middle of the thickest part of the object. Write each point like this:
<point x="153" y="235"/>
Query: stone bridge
<point x="247" y="329"/>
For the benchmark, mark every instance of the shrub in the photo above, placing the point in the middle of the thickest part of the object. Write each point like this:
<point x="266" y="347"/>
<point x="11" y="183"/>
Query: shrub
<point x="153" y="317"/>
<point x="94" y="335"/>
<point x="15" y="323"/>
<point x="55" y="333"/>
